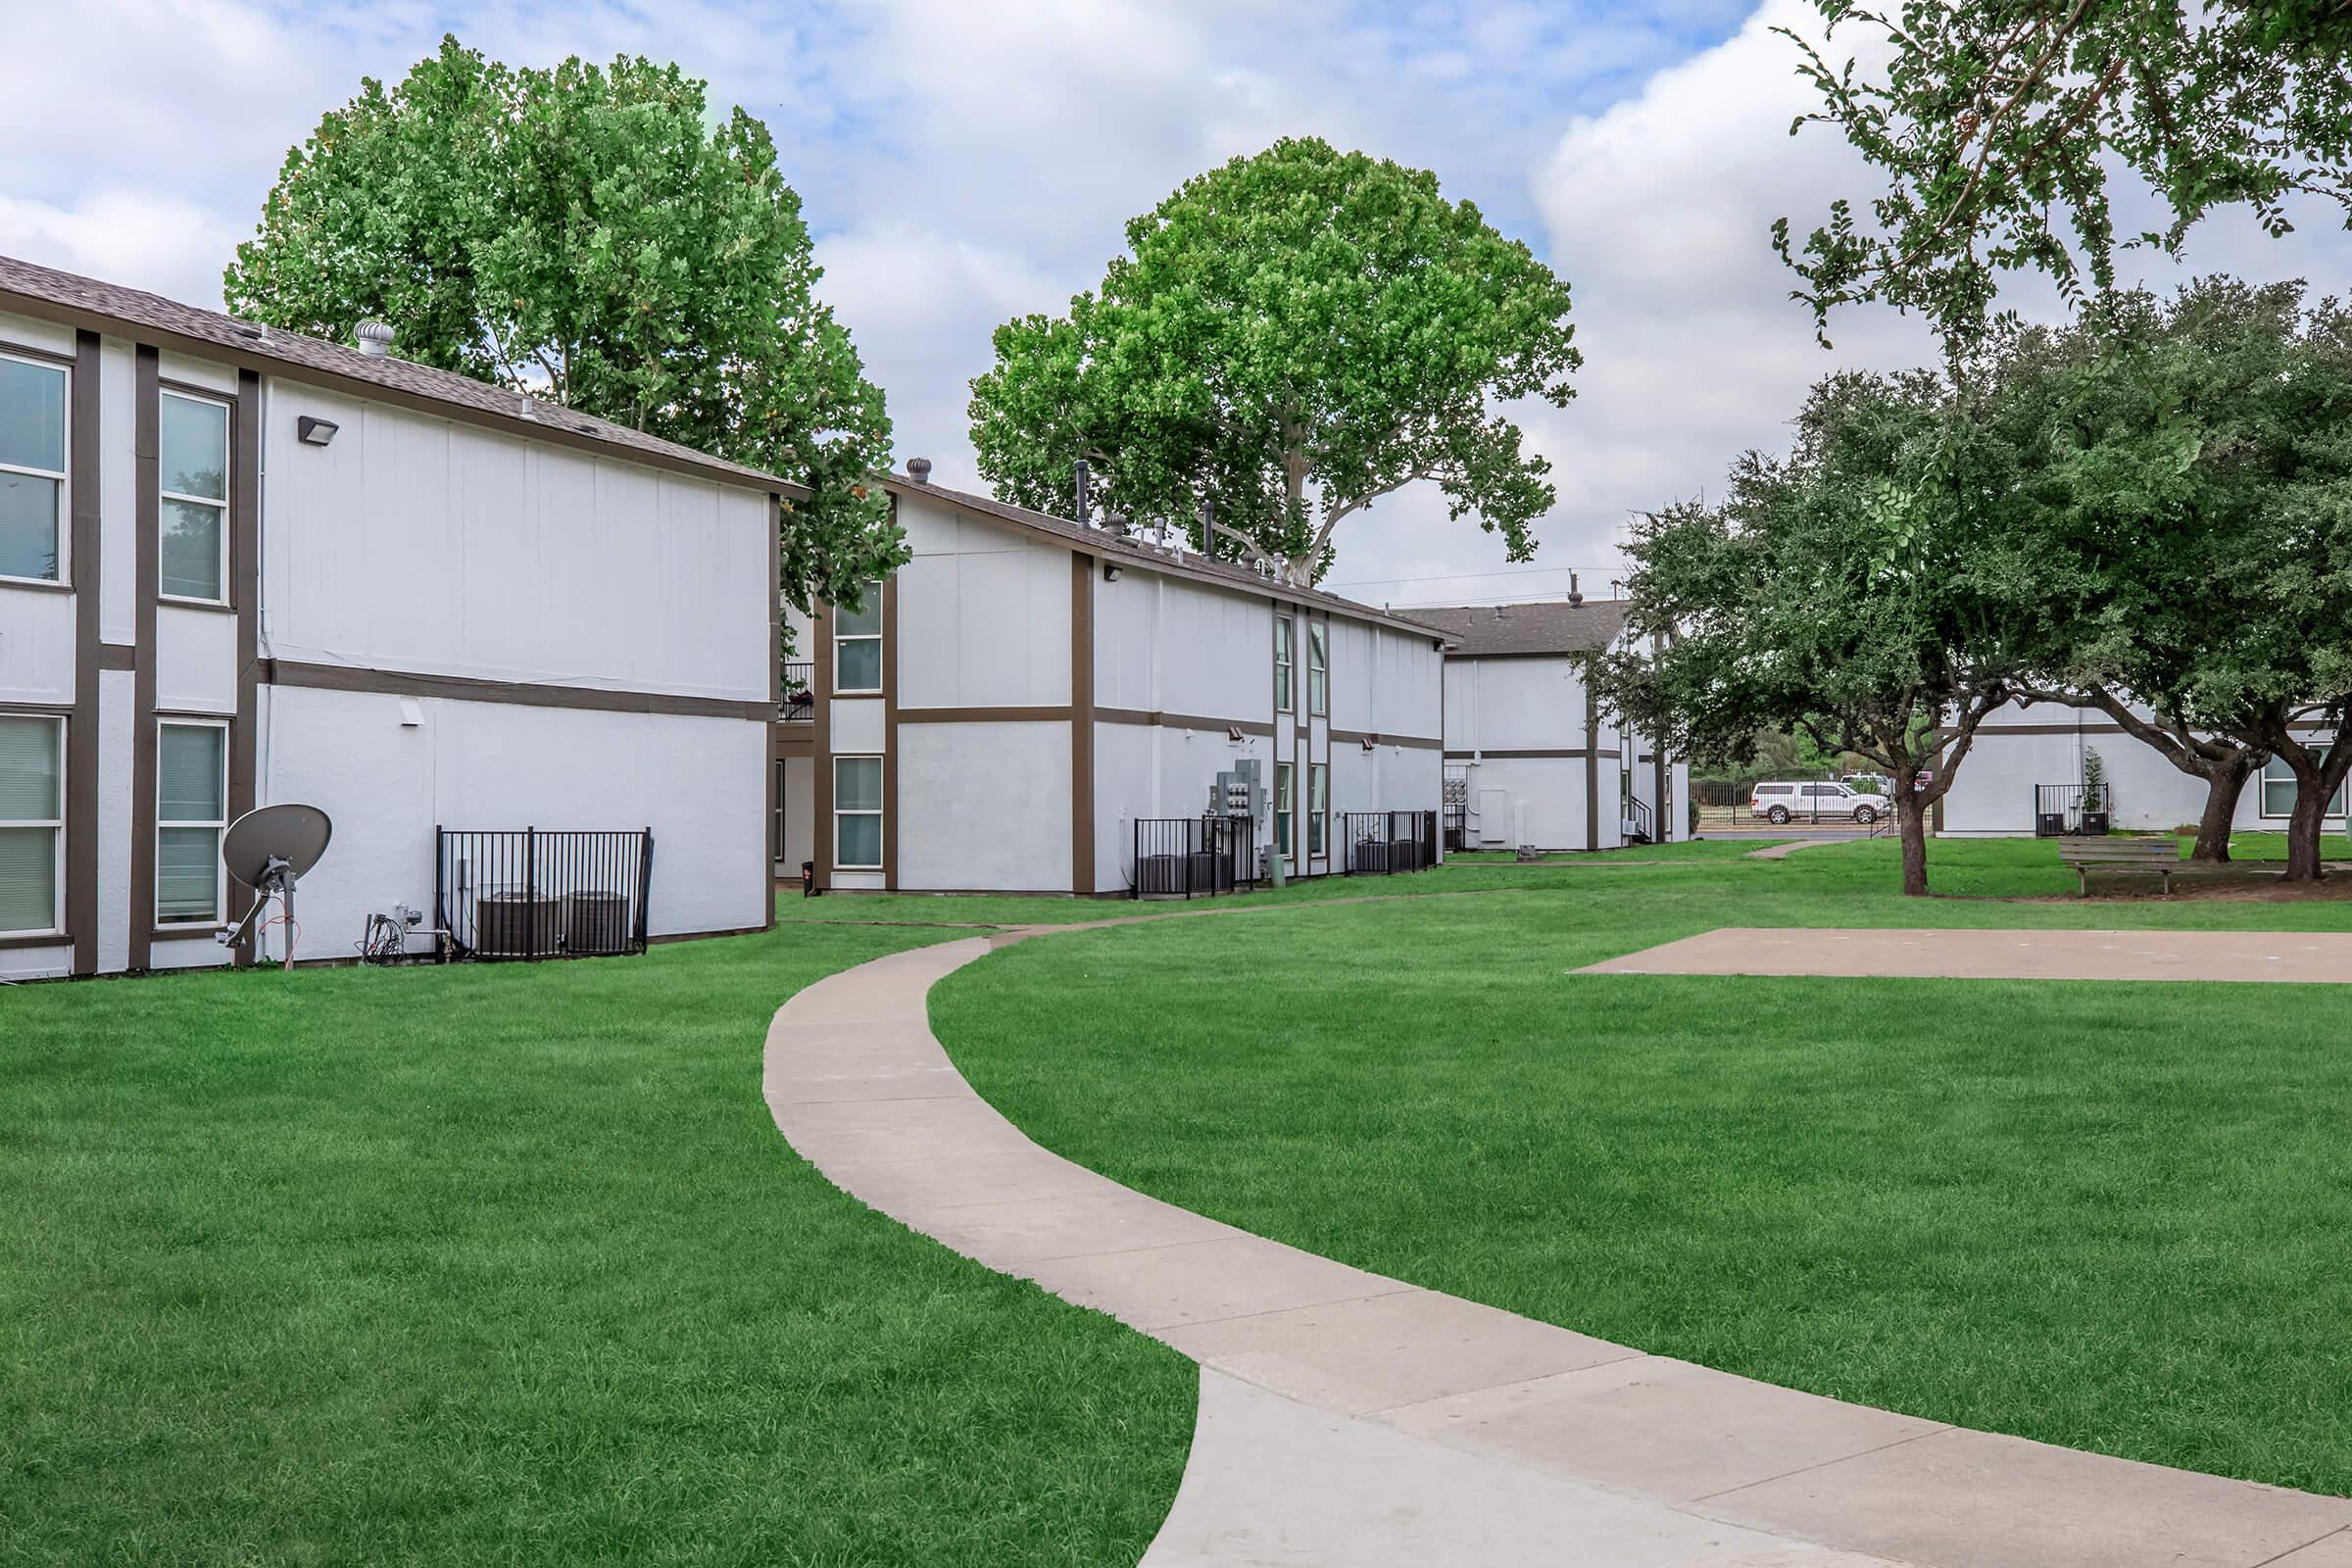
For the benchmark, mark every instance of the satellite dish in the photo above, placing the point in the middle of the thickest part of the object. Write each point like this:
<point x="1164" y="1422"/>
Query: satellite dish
<point x="270" y="850"/>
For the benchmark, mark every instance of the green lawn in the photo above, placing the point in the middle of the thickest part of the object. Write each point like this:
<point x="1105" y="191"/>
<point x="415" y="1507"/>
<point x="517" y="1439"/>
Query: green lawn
<point x="508" y="1266"/>
<point x="2110" y="1216"/>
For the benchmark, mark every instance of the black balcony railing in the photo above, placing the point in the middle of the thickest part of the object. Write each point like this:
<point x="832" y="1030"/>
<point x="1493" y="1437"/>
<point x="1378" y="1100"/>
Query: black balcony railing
<point x="799" y="706"/>
<point x="533" y="892"/>
<point x="2067" y="810"/>
<point x="1384" y="843"/>
<point x="1189" y="857"/>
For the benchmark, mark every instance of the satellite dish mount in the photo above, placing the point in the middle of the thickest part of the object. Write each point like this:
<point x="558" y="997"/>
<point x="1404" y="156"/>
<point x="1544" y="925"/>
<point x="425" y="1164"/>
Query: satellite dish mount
<point x="270" y="850"/>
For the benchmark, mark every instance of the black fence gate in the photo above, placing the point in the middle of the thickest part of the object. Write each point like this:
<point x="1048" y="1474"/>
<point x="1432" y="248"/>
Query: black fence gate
<point x="1384" y="843"/>
<point x="2067" y="810"/>
<point x="533" y="893"/>
<point x="1181" y="856"/>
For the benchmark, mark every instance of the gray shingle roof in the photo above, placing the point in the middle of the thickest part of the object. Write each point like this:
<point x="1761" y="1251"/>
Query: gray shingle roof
<point x="1119" y="547"/>
<point x="1554" y="626"/>
<point x="45" y="291"/>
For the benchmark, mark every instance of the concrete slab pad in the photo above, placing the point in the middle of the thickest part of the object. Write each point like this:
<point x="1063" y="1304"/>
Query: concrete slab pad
<point x="1359" y="1356"/>
<point x="1663" y="1427"/>
<point x="2302" y="956"/>
<point x="1992" y="1501"/>
<point x="1276" y="1481"/>
<point x="1164" y="1286"/>
<point x="1005" y="1235"/>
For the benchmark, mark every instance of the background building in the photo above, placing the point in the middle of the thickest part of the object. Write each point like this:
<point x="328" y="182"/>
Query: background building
<point x="1528" y="758"/>
<point x="1002" y="712"/>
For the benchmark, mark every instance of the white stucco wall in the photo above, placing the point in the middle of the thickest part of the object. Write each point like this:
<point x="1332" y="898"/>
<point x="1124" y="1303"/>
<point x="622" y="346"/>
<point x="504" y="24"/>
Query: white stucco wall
<point x="984" y="614"/>
<point x="984" y="807"/>
<point x="422" y="544"/>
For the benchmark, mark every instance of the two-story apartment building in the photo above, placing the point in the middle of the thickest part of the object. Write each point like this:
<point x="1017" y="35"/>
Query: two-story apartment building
<point x="1002" y="712"/>
<point x="239" y="566"/>
<point x="1530" y="759"/>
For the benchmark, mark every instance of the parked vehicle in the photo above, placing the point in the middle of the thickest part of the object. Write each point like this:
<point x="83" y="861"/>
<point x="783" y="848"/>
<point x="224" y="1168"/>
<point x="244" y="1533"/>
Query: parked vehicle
<point x="1784" y="803"/>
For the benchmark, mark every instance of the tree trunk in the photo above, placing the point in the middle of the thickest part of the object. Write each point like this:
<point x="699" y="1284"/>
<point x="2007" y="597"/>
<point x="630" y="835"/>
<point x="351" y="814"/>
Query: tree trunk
<point x="1911" y="814"/>
<point x="2224" y="785"/>
<point x="2303" y="831"/>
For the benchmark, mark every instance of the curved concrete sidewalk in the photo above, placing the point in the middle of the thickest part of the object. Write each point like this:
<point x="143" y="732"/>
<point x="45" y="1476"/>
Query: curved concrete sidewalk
<point x="1346" y="1418"/>
<point x="1781" y="851"/>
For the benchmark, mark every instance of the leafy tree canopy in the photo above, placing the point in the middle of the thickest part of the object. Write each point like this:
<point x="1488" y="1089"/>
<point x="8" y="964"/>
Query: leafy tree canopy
<point x="1864" y="592"/>
<point x="585" y="234"/>
<point x="2191" y="461"/>
<point x="1997" y="122"/>
<point x="1293" y="336"/>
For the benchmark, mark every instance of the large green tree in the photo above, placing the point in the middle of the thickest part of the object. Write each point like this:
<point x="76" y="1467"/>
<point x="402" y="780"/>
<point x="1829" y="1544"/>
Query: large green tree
<point x="1291" y="336"/>
<point x="2189" y="460"/>
<point x="1865" y="591"/>
<point x="586" y="233"/>
<point x="1998" y="126"/>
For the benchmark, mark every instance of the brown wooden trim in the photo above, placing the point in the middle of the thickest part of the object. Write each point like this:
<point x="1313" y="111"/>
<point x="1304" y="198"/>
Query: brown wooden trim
<point x="775" y="692"/>
<point x="890" y="730"/>
<point x="54" y="939"/>
<point x="1356" y="737"/>
<point x="147" y="506"/>
<point x="1524" y="753"/>
<point x="83" y="730"/>
<point x="116" y="655"/>
<point x="27" y="351"/>
<point x="208" y="607"/>
<point x="1153" y="719"/>
<point x="519" y="694"/>
<point x="1082" y="723"/>
<point x="820" y="725"/>
<point x="188" y="933"/>
<point x="244" y="589"/>
<point x="793" y="739"/>
<point x="255" y="358"/>
<point x="1592" y="776"/>
<point x="1059" y="714"/>
<point x="35" y="585"/>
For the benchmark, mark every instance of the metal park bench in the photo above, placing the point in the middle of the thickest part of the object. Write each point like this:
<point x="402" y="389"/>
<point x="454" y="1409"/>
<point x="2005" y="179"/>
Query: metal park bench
<point x="2161" y="855"/>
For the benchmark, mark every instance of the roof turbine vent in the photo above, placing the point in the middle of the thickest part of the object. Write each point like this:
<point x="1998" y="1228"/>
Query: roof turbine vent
<point x="374" y="340"/>
<point x="919" y="469"/>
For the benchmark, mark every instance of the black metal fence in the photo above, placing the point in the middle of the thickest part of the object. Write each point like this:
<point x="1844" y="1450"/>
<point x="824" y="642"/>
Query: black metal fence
<point x="2065" y="810"/>
<point x="1183" y="856"/>
<point x="533" y="893"/>
<point x="1384" y="843"/>
<point x="799" y="706"/>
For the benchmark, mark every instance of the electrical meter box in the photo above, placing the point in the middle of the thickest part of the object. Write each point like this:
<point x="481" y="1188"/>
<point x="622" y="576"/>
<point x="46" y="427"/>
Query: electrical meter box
<point x="1240" y="792"/>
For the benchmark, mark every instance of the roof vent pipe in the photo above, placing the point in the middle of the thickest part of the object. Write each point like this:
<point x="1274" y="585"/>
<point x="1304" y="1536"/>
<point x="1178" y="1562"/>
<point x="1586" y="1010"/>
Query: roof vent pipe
<point x="919" y="469"/>
<point x="374" y="340"/>
<point x="1086" y="499"/>
<point x="1576" y="595"/>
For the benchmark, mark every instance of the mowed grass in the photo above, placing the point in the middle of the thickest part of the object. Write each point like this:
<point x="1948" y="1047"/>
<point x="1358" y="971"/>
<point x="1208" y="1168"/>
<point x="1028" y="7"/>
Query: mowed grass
<point x="508" y="1266"/>
<point x="2104" y="1215"/>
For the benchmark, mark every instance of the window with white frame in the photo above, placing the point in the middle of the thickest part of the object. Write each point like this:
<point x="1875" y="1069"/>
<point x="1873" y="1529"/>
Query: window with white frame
<point x="858" y="813"/>
<point x="1285" y="653"/>
<point x="191" y="808"/>
<point x="194" y="468"/>
<point x="32" y="822"/>
<point x="858" y="645"/>
<point x="1283" y="812"/>
<point x="1318" y="806"/>
<point x="1318" y="668"/>
<point x="32" y="470"/>
<point x="2279" y="788"/>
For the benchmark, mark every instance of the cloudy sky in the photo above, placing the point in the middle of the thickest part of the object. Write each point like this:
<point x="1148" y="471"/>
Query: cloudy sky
<point x="963" y="163"/>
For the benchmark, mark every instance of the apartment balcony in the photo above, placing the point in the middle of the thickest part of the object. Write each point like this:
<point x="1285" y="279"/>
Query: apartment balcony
<point x="800" y="693"/>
